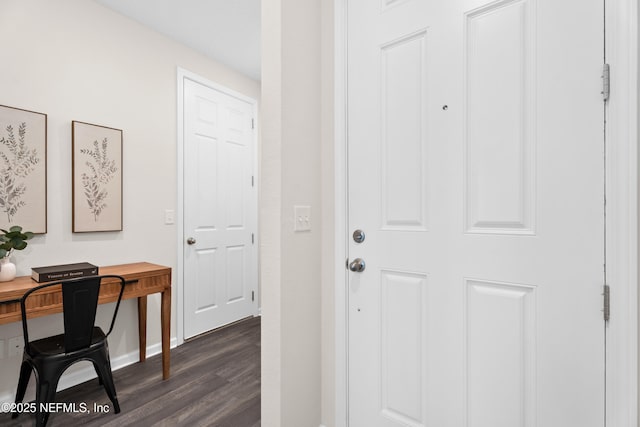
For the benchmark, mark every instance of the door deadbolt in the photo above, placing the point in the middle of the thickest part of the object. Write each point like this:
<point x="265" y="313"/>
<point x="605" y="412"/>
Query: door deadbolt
<point x="358" y="236"/>
<point x="357" y="265"/>
<point x="191" y="241"/>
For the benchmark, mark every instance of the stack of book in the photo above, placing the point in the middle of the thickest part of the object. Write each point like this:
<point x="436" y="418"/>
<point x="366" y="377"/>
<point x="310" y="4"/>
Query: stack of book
<point x="63" y="272"/>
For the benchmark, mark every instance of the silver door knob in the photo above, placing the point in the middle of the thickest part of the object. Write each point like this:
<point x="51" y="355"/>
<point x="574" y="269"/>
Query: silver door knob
<point x="357" y="265"/>
<point x="191" y="241"/>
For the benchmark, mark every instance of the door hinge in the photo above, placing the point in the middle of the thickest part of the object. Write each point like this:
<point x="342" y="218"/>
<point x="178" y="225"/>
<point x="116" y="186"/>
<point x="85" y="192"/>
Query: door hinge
<point x="252" y="238"/>
<point x="253" y="295"/>
<point x="252" y="184"/>
<point x="606" y="82"/>
<point x="253" y="124"/>
<point x="607" y="303"/>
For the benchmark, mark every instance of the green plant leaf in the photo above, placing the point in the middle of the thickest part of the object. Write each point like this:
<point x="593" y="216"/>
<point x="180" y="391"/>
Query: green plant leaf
<point x="13" y="239"/>
<point x="19" y="244"/>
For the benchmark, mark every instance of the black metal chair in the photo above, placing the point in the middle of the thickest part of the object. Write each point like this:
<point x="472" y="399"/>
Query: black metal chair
<point x="81" y="340"/>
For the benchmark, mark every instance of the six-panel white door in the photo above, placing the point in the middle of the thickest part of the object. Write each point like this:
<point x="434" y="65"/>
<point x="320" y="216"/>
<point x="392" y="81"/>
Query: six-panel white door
<point x="475" y="138"/>
<point x="220" y="212"/>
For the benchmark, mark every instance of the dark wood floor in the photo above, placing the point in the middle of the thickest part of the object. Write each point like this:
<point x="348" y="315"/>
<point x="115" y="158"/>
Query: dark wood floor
<point x="215" y="381"/>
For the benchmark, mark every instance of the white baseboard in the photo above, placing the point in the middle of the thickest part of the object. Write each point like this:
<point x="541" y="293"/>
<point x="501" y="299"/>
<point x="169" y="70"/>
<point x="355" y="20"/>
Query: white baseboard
<point x="87" y="373"/>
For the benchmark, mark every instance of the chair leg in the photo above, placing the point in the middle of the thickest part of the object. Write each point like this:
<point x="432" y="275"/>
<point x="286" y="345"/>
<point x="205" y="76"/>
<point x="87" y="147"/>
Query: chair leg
<point x="98" y="373"/>
<point x="46" y="393"/>
<point x="104" y="368"/>
<point x="42" y="393"/>
<point x="23" y="382"/>
<point x="51" y="397"/>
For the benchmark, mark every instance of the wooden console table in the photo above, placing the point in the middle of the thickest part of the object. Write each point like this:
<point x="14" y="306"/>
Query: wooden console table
<point x="141" y="279"/>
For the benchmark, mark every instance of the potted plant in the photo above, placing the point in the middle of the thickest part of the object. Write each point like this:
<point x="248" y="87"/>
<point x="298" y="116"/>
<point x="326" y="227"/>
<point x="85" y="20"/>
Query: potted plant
<point x="13" y="239"/>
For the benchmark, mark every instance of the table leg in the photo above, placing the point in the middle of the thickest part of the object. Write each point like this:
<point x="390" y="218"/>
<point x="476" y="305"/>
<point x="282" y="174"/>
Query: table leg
<point x="142" y="327"/>
<point x="165" y="318"/>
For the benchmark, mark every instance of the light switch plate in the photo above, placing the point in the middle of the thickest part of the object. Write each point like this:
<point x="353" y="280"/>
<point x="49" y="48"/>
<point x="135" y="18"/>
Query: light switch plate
<point x="16" y="344"/>
<point x="301" y="218"/>
<point x="169" y="216"/>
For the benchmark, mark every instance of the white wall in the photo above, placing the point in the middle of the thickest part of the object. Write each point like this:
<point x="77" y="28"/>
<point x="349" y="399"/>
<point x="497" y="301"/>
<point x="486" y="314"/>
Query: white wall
<point x="329" y="232"/>
<point x="76" y="60"/>
<point x="291" y="262"/>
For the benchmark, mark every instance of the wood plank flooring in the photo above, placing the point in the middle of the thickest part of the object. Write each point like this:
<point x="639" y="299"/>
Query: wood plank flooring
<point x="215" y="381"/>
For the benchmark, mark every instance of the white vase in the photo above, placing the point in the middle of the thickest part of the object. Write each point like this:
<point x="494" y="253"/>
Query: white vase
<point x="7" y="270"/>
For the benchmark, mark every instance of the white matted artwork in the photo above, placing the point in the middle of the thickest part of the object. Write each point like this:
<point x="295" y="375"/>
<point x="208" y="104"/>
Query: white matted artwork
<point x="97" y="178"/>
<point x="23" y="169"/>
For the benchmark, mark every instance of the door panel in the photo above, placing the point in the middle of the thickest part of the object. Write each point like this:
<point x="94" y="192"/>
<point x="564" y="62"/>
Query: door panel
<point x="476" y="153"/>
<point x="403" y="345"/>
<point x="403" y="139"/>
<point x="220" y="212"/>
<point x="500" y="51"/>
<point x="501" y="348"/>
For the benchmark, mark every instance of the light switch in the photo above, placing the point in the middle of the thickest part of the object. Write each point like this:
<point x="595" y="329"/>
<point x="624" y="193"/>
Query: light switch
<point x="169" y="216"/>
<point x="302" y="218"/>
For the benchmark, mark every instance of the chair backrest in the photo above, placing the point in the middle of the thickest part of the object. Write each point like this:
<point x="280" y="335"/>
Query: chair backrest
<point x="80" y="303"/>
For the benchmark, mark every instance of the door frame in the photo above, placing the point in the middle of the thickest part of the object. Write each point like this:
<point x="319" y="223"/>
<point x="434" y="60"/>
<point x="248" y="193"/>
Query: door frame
<point x="182" y="75"/>
<point x="621" y="213"/>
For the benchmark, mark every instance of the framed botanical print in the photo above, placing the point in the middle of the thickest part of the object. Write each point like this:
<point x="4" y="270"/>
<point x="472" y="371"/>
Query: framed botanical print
<point x="97" y="178"/>
<point x="23" y="169"/>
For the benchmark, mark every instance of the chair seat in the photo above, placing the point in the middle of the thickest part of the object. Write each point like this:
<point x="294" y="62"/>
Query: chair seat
<point x="55" y="345"/>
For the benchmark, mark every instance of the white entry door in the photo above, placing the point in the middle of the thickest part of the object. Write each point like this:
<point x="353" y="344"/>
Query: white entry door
<point x="220" y="209"/>
<point x="476" y="172"/>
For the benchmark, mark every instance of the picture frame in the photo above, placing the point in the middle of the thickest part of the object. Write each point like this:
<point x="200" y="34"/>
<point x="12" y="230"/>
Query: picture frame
<point x="96" y="178"/>
<point x="23" y="169"/>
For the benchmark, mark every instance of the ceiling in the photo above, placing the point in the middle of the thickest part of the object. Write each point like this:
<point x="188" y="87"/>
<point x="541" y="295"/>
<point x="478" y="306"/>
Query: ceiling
<point x="227" y="31"/>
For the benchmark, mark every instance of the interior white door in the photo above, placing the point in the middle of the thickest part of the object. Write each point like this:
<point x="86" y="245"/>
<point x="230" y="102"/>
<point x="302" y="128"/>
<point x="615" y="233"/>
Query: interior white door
<point x="476" y="171"/>
<point x="220" y="212"/>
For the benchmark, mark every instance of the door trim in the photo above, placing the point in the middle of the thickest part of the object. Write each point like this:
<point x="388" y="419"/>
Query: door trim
<point x="622" y="213"/>
<point x="183" y="75"/>
<point x="621" y="216"/>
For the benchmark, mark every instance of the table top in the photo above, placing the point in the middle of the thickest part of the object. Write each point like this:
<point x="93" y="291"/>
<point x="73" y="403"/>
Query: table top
<point x="14" y="289"/>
